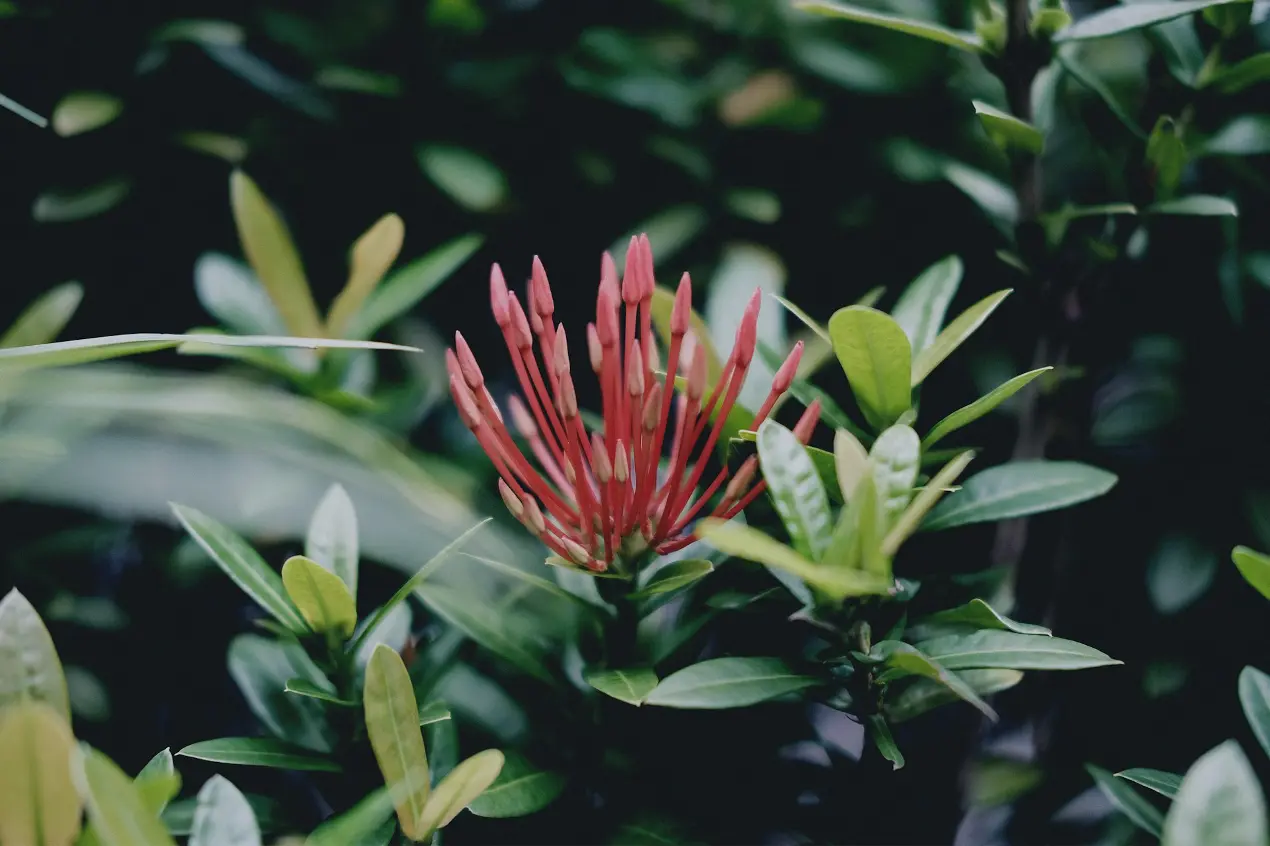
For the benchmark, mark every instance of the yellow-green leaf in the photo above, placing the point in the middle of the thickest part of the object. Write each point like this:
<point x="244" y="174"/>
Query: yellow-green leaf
<point x="45" y="318"/>
<point x="875" y="354"/>
<point x="851" y="462"/>
<point x="29" y="666"/>
<point x="954" y="334"/>
<point x="321" y="596"/>
<point x="272" y="254"/>
<point x="392" y="724"/>
<point x="970" y="413"/>
<point x="372" y="255"/>
<point x="1006" y="130"/>
<point x="118" y="813"/>
<point x="459" y="789"/>
<point x="84" y="111"/>
<point x="38" y="800"/>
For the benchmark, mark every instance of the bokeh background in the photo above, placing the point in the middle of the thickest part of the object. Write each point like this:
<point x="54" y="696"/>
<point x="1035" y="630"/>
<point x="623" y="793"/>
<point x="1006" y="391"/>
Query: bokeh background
<point x="757" y="146"/>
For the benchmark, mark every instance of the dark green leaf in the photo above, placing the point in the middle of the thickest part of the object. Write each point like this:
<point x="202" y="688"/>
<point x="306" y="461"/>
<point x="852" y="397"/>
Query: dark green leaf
<point x="258" y="752"/>
<point x="880" y="734"/>
<point x="433" y="712"/>
<point x="360" y="826"/>
<point x="520" y="789"/>
<point x="920" y="29"/>
<point x="261" y="667"/>
<point x="674" y="576"/>
<point x="980" y="615"/>
<point x="303" y="687"/>
<point x="484" y="624"/>
<point x="1237" y="77"/>
<point x="904" y="659"/>
<point x="1254" y="696"/>
<point x="1129" y="17"/>
<point x="1006" y="130"/>
<point x="1018" y="489"/>
<point x="729" y="683"/>
<point x="630" y="685"/>
<point x="1011" y="650"/>
<point x="1165" y="784"/>
<point x="1131" y="803"/>
<point x="922" y="694"/>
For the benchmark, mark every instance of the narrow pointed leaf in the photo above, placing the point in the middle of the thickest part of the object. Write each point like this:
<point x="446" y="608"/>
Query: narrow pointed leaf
<point x="1254" y="567"/>
<point x="84" y="111"/>
<point x="158" y="782"/>
<point x="1131" y="16"/>
<point x="1128" y="801"/>
<point x="744" y="542"/>
<point x="520" y="789"/>
<point x="1013" y="651"/>
<point x="805" y="318"/>
<point x="906" y="659"/>
<point x="1254" y="696"/>
<point x="222" y="816"/>
<point x="851" y="462"/>
<point x="392" y="725"/>
<point x="631" y="685"/>
<point x="303" y="687"/>
<point x="413" y="583"/>
<point x="954" y="334"/>
<point x="39" y="803"/>
<point x="259" y="752"/>
<point x="44" y="319"/>
<point x="1220" y="803"/>
<point x="242" y="564"/>
<point x="662" y="306"/>
<point x="331" y="539"/>
<point x="921" y="309"/>
<point x="359" y="825"/>
<point x="29" y="667"/>
<point x="874" y="353"/>
<point x="1019" y="489"/>
<point x="118" y="814"/>
<point x="485" y="625"/>
<point x="268" y="246"/>
<point x="729" y="683"/>
<point x="796" y="489"/>
<point x="980" y="615"/>
<point x="920" y="29"/>
<point x="880" y="734"/>
<point x="922" y="694"/>
<point x="1199" y="205"/>
<point x="1006" y="130"/>
<point x="320" y="595"/>
<point x="675" y="576"/>
<point x="1165" y="784"/>
<point x="460" y="788"/>
<point x="372" y="254"/>
<point x="262" y="667"/>
<point x="231" y="293"/>
<point x="970" y="413"/>
<point x="433" y="712"/>
<point x="405" y="287"/>
<point x="1237" y="77"/>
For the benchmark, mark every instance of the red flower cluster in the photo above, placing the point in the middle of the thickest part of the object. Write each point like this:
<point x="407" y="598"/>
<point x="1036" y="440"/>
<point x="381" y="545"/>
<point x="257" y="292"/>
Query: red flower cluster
<point x="598" y="495"/>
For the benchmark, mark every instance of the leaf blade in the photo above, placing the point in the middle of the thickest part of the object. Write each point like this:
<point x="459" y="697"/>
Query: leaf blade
<point x="968" y="414"/>
<point x="631" y="686"/>
<point x="728" y="683"/>
<point x="29" y="666"/>
<point x="874" y="353"/>
<point x="258" y="752"/>
<point x="331" y="539"/>
<point x="320" y="595"/>
<point x="1018" y="489"/>
<point x="392" y="725"/>
<point x="954" y="334"/>
<point x="795" y="488"/>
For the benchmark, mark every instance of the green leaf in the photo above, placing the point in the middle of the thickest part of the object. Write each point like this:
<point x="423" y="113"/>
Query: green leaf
<point x="895" y="459"/>
<point x="460" y="788"/>
<point x="1067" y="57"/>
<point x="242" y="564"/>
<point x="222" y="816"/>
<point x="970" y="413"/>
<point x="1165" y="784"/>
<point x="372" y="254"/>
<point x="1253" y="566"/>
<point x="303" y="687"/>
<point x="520" y="789"/>
<point x="1237" y="77"/>
<point x="796" y="489"/>
<point x="668" y="231"/>
<point x="981" y="615"/>
<point x="880" y="734"/>
<point x="484" y="624"/>
<point x="321" y="596"/>
<point x="663" y="303"/>
<point x="806" y="319"/>
<point x="359" y="825"/>
<point x="118" y="814"/>
<point x="851" y="462"/>
<point x="1012" y="651"/>
<point x="158" y="782"/>
<point x="926" y="498"/>
<point x="45" y="318"/>
<point x="920" y="29"/>
<point x="1246" y="135"/>
<point x="29" y="666"/>
<point x="954" y="334"/>
<point x="230" y="292"/>
<point x="904" y="659"/>
<point x="84" y="111"/>
<point x="261" y="667"/>
<point x="38" y="799"/>
<point x="1006" y="130"/>
<point x="874" y="353"/>
<point x="392" y="725"/>
<point x="729" y="683"/>
<point x="1130" y="803"/>
<point x="413" y="583"/>
<point x="1018" y="489"/>
<point x="94" y="200"/>
<point x="674" y="576"/>
<point x="631" y="685"/>
<point x="405" y="287"/>
<point x="472" y="181"/>
<point x="1131" y="16"/>
<point x="1199" y="205"/>
<point x="268" y="246"/>
<point x="259" y="752"/>
<point x="923" y="694"/>
<point x="1220" y="803"/>
<point x="1254" y="696"/>
<point x="332" y="536"/>
<point x="921" y="309"/>
<point x="433" y="712"/>
<point x="744" y="542"/>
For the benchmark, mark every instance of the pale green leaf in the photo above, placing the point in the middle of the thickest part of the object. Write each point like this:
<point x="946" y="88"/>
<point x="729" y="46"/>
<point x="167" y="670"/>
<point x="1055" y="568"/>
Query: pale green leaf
<point x="1019" y="489"/>
<point x="851" y="462"/>
<point x="1165" y="784"/>
<point x="1128" y="801"/>
<point x="29" y="667"/>
<point x="795" y="488"/>
<point x="459" y="789"/>
<point x="1006" y="130"/>
<point x="392" y="725"/>
<point x="1131" y="16"/>
<point x="920" y="29"/>
<point x="874" y="353"/>
<point x="1254" y="696"/>
<point x="729" y="683"/>
<point x="331" y="539"/>
<point x="954" y="334"/>
<point x="1254" y="567"/>
<point x="222" y="816"/>
<point x="921" y="309"/>
<point x="629" y="685"/>
<point x="1199" y="205"/>
<point x="45" y="318"/>
<point x="986" y="403"/>
<point x="484" y="624"/>
<point x="895" y="459"/>
<point x="118" y="814"/>
<point x="471" y="180"/>
<point x="85" y="111"/>
<point x="925" y="500"/>
<point x="1220" y="803"/>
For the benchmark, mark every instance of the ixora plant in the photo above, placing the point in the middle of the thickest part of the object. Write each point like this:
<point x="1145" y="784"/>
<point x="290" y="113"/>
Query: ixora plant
<point x="609" y="504"/>
<point x="1219" y="800"/>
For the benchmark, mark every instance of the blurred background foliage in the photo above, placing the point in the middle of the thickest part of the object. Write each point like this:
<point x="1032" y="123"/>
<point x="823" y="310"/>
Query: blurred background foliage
<point x="756" y="145"/>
